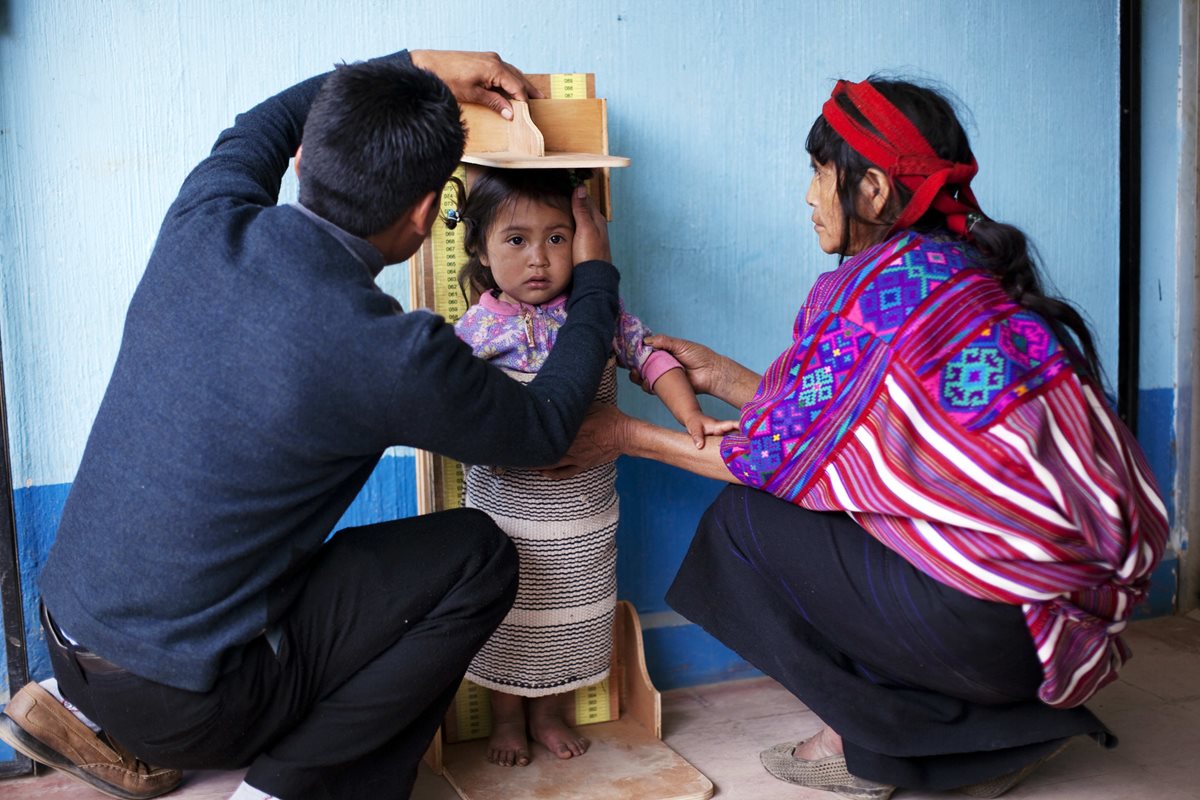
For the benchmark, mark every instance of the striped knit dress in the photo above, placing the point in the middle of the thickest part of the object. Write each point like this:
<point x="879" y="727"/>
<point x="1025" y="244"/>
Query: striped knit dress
<point x="558" y="635"/>
<point x="950" y="424"/>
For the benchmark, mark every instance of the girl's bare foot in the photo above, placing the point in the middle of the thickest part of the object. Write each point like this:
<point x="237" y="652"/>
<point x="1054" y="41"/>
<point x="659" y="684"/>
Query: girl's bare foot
<point x="826" y="743"/>
<point x="508" y="746"/>
<point x="547" y="726"/>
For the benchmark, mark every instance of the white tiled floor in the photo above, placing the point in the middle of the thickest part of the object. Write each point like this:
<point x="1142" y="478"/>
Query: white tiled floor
<point x="1154" y="708"/>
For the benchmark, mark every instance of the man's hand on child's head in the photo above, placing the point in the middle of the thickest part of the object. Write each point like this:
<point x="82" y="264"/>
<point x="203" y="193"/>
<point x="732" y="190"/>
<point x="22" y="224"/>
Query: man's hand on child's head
<point x="481" y="78"/>
<point x="591" y="229"/>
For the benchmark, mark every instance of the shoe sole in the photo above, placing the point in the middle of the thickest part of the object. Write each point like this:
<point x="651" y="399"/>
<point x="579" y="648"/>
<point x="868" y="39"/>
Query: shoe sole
<point x="18" y="739"/>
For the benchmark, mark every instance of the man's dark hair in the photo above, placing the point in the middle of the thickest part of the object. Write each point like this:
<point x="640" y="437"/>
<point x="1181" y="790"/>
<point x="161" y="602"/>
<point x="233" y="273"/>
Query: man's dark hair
<point x="380" y="136"/>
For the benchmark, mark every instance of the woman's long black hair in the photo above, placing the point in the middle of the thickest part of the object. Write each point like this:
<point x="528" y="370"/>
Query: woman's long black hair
<point x="1004" y="248"/>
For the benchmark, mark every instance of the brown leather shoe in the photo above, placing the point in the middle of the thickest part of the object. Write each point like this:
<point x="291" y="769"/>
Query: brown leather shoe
<point x="36" y="725"/>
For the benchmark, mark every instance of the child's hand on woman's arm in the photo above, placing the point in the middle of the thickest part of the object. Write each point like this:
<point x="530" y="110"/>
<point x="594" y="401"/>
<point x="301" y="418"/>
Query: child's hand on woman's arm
<point x="702" y="425"/>
<point x="673" y="388"/>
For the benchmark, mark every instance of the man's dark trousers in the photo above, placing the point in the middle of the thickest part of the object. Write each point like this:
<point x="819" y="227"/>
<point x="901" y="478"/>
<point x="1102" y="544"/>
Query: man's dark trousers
<point x="368" y="660"/>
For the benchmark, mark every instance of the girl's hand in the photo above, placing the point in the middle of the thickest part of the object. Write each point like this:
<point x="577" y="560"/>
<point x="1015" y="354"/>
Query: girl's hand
<point x="591" y="229"/>
<point x="481" y="78"/>
<point x="701" y="425"/>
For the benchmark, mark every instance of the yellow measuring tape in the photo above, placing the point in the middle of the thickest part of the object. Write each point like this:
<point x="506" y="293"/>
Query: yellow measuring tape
<point x="568" y="85"/>
<point x="471" y="714"/>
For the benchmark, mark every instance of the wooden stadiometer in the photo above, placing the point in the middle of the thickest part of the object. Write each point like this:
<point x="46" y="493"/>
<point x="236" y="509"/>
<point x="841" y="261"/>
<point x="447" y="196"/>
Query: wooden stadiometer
<point x="627" y="759"/>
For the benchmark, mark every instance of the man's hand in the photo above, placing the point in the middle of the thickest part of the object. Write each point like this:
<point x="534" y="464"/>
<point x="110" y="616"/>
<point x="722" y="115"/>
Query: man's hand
<point x="599" y="440"/>
<point x="591" y="230"/>
<point x="477" y="77"/>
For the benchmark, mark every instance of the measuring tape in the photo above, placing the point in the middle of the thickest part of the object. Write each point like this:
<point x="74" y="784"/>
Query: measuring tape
<point x="448" y="256"/>
<point x="568" y="85"/>
<point x="470" y="717"/>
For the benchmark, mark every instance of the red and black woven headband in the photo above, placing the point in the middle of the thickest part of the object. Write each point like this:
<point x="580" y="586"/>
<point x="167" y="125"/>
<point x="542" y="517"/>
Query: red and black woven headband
<point x="899" y="149"/>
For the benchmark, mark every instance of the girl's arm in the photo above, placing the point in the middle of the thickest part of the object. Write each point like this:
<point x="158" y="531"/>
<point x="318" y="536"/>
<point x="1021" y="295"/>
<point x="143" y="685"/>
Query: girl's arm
<point x="673" y="388"/>
<point x="710" y="372"/>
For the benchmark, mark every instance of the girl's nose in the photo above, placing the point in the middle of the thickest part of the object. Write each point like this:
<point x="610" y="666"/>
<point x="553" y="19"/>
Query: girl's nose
<point x="537" y="256"/>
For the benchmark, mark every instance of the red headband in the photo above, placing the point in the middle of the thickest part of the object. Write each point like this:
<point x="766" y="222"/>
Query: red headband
<point x="902" y="152"/>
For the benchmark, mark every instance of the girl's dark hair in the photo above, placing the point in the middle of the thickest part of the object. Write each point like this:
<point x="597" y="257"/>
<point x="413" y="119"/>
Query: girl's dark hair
<point x="1004" y="248"/>
<point x="495" y="189"/>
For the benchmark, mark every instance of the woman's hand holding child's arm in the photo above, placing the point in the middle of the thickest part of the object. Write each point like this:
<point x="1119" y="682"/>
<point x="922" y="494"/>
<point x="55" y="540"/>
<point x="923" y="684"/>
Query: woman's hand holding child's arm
<point x="708" y="372"/>
<point x="673" y="388"/>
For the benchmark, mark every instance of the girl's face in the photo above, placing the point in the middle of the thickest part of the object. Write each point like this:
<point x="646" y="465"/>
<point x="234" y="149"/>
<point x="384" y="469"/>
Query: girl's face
<point x="828" y="218"/>
<point x="528" y="249"/>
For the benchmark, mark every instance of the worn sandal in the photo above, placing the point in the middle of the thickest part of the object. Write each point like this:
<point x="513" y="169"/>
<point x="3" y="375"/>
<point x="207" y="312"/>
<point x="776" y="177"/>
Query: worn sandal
<point x="828" y="774"/>
<point x="999" y="785"/>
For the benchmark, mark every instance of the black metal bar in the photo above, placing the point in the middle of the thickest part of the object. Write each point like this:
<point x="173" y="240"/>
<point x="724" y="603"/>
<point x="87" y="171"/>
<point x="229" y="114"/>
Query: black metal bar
<point x="1130" y="275"/>
<point x="10" y="582"/>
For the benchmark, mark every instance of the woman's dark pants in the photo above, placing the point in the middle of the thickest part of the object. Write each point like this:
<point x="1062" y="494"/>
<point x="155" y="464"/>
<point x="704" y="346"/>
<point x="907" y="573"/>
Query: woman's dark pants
<point x="928" y="687"/>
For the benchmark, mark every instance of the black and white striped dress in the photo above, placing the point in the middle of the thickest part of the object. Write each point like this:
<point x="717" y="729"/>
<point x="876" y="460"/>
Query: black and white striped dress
<point x="558" y="635"/>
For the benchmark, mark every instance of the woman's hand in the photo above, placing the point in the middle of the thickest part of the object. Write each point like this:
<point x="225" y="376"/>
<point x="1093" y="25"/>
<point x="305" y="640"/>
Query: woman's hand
<point x="709" y="372"/>
<point x="481" y="78"/>
<point x="600" y="440"/>
<point x="590" y="242"/>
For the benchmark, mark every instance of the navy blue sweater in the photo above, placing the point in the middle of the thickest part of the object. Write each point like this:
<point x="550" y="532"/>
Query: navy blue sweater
<point x="261" y="375"/>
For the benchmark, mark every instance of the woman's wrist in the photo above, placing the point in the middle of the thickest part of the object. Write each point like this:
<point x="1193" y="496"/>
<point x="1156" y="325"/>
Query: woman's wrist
<point x="736" y="384"/>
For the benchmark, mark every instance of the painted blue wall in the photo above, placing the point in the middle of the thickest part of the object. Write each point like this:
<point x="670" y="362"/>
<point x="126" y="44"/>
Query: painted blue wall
<point x="105" y="107"/>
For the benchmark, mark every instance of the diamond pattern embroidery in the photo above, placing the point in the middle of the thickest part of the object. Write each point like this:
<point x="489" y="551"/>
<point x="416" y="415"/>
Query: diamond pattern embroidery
<point x="973" y="377"/>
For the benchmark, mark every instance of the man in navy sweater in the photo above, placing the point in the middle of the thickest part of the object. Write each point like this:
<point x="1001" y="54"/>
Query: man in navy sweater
<point x="194" y="608"/>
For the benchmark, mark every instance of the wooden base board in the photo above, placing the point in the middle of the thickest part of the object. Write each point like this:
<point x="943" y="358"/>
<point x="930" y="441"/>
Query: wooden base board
<point x="624" y="762"/>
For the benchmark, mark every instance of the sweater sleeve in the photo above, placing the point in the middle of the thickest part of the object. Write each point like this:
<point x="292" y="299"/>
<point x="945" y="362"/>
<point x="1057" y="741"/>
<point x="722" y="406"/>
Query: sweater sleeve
<point x="452" y="403"/>
<point x="248" y="161"/>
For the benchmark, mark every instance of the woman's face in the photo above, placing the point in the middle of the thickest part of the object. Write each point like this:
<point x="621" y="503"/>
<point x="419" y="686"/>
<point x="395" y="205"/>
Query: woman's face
<point x="829" y="220"/>
<point x="528" y="249"/>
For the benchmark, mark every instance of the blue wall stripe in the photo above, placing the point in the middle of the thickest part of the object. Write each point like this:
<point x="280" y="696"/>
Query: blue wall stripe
<point x="388" y="494"/>
<point x="1156" y="434"/>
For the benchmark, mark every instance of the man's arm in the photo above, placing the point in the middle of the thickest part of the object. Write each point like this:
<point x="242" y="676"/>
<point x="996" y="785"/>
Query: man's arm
<point x="249" y="159"/>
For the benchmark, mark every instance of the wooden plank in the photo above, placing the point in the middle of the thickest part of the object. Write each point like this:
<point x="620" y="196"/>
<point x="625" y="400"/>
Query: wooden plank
<point x="544" y="134"/>
<point x="640" y="701"/>
<point x="624" y="762"/>
<point x="511" y="160"/>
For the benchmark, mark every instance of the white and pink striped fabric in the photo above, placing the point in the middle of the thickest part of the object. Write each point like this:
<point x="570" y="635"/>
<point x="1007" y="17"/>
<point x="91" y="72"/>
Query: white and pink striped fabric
<point x="950" y="423"/>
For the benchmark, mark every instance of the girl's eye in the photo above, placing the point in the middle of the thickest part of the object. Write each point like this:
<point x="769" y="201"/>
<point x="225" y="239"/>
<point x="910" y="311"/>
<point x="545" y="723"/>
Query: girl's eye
<point x="516" y="240"/>
<point x="557" y="238"/>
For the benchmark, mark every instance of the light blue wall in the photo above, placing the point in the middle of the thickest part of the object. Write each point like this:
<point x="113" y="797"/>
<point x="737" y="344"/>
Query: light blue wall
<point x="105" y="107"/>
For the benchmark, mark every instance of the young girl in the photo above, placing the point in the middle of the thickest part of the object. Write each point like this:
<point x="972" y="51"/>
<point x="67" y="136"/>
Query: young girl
<point x="558" y="636"/>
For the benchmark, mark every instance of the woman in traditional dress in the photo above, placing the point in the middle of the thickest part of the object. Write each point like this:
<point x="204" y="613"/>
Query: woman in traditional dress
<point x="939" y="527"/>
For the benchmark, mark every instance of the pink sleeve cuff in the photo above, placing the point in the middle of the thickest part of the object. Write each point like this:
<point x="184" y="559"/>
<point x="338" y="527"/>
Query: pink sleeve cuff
<point x="659" y="362"/>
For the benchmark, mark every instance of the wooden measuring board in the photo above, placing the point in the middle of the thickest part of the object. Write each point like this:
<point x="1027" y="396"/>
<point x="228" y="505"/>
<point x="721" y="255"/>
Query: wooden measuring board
<point x="627" y="758"/>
